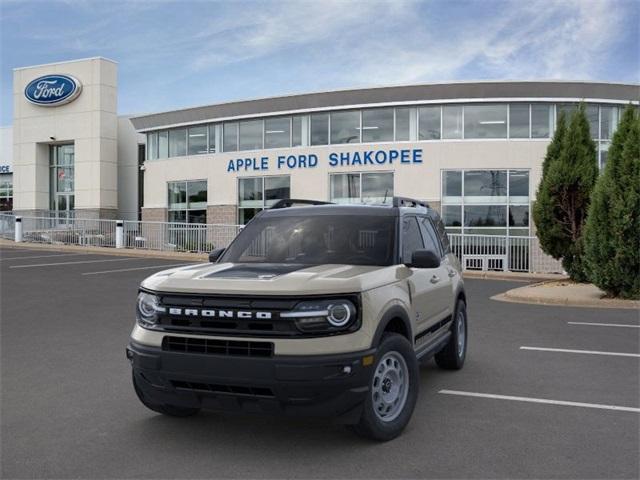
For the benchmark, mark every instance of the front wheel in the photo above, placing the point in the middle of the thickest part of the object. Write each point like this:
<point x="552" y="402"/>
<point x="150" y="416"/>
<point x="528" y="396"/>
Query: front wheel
<point x="452" y="356"/>
<point x="393" y="391"/>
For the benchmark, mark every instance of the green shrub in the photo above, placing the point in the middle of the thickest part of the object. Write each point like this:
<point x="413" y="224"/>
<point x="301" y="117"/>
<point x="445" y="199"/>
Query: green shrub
<point x="612" y="233"/>
<point x="569" y="174"/>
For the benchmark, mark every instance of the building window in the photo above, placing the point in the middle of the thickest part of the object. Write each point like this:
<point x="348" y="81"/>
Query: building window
<point x="345" y="127"/>
<point x="178" y="142"/>
<point x="452" y="121"/>
<point x="197" y="140"/>
<point x="296" y="131"/>
<point x="374" y="187"/>
<point x="212" y="138"/>
<point x="152" y="146"/>
<point x="429" y="123"/>
<point x="487" y="202"/>
<point x="608" y="122"/>
<point x="592" y="112"/>
<point x="163" y="144"/>
<point x="251" y="135"/>
<point x="257" y="193"/>
<point x="230" y="137"/>
<point x="320" y="129"/>
<point x="277" y="132"/>
<point x="61" y="179"/>
<point x="188" y="201"/>
<point x="403" y="124"/>
<point x="541" y="120"/>
<point x="485" y="121"/>
<point x="377" y="125"/>
<point x="519" y="120"/>
<point x="6" y="192"/>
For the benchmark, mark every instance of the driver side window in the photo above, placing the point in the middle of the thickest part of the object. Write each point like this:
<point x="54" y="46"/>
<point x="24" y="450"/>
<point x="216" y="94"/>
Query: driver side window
<point x="411" y="238"/>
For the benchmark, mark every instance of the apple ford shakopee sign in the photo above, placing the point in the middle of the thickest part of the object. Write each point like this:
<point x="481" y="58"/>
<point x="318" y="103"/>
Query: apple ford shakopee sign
<point x="53" y="90"/>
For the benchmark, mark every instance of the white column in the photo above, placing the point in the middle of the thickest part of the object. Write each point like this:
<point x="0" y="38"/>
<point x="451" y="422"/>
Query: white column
<point x="119" y="234"/>
<point x="18" y="230"/>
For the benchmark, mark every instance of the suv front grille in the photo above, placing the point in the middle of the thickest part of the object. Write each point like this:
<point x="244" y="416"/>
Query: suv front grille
<point x="217" y="347"/>
<point x="258" y="316"/>
<point x="230" y="389"/>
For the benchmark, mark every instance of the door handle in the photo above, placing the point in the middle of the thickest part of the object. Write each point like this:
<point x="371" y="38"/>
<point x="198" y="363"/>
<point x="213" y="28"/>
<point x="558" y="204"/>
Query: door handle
<point x="435" y="279"/>
<point x="452" y="273"/>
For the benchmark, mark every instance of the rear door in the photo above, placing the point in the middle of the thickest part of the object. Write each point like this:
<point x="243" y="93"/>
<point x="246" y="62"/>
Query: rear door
<point x="440" y="279"/>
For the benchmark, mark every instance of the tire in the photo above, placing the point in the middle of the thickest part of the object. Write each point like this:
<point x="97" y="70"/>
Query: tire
<point x="393" y="390"/>
<point x="452" y="356"/>
<point x="164" y="409"/>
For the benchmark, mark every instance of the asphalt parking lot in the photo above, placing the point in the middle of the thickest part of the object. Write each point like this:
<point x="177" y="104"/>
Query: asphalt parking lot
<point x="548" y="410"/>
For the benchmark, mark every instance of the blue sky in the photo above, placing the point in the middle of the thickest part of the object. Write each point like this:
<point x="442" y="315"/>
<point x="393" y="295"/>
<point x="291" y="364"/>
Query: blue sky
<point x="179" y="54"/>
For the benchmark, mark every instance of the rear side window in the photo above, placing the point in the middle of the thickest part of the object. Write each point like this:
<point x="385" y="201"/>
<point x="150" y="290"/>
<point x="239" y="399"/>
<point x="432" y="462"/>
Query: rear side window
<point x="431" y="241"/>
<point x="411" y="238"/>
<point x="441" y="231"/>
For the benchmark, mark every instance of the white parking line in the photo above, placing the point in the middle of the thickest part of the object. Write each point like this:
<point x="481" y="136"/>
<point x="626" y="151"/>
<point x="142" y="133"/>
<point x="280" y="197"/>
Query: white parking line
<point x="42" y="256"/>
<point x="588" y="352"/>
<point x="128" y="259"/>
<point x="137" y="268"/>
<point x="541" y="400"/>
<point x="624" y="325"/>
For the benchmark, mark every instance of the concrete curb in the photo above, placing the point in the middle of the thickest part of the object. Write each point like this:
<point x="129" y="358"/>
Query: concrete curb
<point x="568" y="296"/>
<point x="125" y="252"/>
<point x="514" y="276"/>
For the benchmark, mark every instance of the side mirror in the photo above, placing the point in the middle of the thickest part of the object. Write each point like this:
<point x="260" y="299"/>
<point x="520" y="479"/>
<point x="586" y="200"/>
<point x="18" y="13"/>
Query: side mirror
<point x="215" y="254"/>
<point x="424" y="259"/>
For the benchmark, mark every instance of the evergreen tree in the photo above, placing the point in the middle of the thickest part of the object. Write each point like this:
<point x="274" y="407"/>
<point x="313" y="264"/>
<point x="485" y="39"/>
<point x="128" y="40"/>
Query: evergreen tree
<point x="563" y="197"/>
<point x="612" y="233"/>
<point x="548" y="231"/>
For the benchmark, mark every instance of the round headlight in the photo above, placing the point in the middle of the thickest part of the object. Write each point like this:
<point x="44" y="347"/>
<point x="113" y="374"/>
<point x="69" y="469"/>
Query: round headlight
<point x="148" y="308"/>
<point x="339" y="314"/>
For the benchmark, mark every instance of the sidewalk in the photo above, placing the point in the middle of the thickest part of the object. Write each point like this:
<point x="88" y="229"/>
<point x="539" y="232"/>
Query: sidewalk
<point x="127" y="252"/>
<point x="566" y="293"/>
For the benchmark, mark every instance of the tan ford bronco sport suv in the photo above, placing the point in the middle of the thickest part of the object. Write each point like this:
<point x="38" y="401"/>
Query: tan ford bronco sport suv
<point x="314" y="309"/>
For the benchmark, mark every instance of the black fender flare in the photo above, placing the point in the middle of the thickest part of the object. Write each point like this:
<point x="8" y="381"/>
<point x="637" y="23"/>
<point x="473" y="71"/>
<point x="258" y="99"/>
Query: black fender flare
<point x="396" y="311"/>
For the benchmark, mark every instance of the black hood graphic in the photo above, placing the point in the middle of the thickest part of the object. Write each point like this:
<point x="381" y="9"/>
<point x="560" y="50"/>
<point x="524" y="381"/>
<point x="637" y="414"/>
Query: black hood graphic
<point x="257" y="270"/>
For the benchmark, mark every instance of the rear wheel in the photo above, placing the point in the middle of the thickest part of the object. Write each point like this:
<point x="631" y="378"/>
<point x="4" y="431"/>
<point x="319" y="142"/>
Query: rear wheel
<point x="393" y="391"/>
<point x="165" y="409"/>
<point x="452" y="356"/>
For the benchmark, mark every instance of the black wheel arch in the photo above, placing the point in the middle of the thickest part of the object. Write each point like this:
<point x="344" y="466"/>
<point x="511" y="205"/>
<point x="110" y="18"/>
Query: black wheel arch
<point x="396" y="320"/>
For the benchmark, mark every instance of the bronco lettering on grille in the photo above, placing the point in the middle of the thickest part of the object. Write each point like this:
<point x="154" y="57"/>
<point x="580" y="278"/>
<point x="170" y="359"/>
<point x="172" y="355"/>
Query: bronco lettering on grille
<point x="194" y="312"/>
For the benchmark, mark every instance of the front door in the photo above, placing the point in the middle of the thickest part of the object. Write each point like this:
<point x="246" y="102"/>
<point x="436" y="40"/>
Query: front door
<point x="428" y="286"/>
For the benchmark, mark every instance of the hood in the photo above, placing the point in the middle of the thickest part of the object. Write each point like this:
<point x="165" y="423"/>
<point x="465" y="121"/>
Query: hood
<point x="271" y="279"/>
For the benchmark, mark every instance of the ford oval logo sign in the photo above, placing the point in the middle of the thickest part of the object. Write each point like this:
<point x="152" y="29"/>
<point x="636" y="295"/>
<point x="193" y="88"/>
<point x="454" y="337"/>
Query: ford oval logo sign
<point x="53" y="90"/>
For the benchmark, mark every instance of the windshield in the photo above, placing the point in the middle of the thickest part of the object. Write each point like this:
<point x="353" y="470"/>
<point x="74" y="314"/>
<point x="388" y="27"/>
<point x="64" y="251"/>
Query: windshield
<point x="315" y="240"/>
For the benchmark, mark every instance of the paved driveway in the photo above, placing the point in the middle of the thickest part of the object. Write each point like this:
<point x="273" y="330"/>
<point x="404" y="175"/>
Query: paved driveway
<point x="550" y="409"/>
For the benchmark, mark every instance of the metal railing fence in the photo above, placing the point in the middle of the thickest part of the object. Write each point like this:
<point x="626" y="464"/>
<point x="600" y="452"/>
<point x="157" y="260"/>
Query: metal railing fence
<point x="7" y="226"/>
<point x="502" y="253"/>
<point x="69" y="231"/>
<point x="182" y="237"/>
<point x="475" y="252"/>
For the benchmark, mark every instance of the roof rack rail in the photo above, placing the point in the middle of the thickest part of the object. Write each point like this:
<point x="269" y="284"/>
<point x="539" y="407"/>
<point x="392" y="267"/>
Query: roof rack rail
<point x="409" y="202"/>
<point x="295" y="202"/>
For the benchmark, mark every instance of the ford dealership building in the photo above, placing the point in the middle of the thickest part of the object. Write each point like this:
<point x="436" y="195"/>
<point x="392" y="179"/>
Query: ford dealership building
<point x="473" y="150"/>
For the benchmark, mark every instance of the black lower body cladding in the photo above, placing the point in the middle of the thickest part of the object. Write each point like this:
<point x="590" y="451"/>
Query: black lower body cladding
<point x="332" y="386"/>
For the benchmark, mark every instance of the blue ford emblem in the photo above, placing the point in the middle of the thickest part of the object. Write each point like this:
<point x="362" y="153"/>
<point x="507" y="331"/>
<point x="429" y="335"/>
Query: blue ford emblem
<point x="52" y="90"/>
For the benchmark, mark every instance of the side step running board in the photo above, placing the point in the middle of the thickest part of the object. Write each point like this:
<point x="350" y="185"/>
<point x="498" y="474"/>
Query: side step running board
<point x="434" y="346"/>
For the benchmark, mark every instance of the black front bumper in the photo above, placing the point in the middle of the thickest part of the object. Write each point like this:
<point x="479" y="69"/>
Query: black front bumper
<point x="315" y="385"/>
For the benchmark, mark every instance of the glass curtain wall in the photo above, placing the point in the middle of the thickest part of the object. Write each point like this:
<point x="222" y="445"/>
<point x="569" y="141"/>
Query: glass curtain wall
<point x="257" y="193"/>
<point x="6" y="192"/>
<point x="62" y="180"/>
<point x="373" y="187"/>
<point x="187" y="201"/>
<point x="486" y="202"/>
